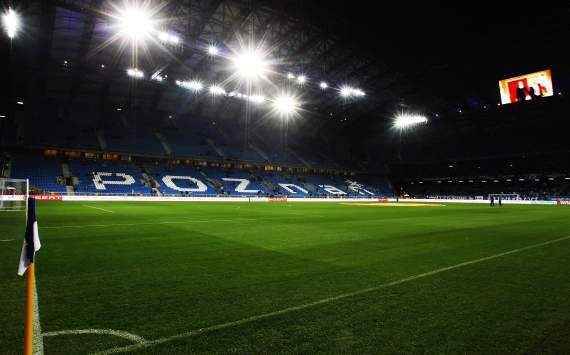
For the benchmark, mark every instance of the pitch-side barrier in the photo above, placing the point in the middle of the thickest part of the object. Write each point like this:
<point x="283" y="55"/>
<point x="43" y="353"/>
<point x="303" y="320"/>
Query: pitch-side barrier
<point x="216" y="198"/>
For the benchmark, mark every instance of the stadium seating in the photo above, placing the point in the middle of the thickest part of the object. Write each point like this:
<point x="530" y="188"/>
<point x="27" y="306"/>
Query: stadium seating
<point x="120" y="178"/>
<point x="124" y="177"/>
<point x="45" y="174"/>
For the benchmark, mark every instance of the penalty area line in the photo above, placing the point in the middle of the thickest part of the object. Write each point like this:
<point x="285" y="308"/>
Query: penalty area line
<point x="192" y="333"/>
<point x="99" y="208"/>
<point x="118" y="333"/>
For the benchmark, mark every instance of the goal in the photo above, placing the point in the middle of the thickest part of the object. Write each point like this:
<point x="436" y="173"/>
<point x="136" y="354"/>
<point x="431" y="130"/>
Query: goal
<point x="13" y="194"/>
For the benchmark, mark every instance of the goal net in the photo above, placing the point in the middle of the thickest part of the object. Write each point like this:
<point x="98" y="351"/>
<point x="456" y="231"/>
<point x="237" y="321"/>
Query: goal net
<point x="13" y="194"/>
<point x="505" y="197"/>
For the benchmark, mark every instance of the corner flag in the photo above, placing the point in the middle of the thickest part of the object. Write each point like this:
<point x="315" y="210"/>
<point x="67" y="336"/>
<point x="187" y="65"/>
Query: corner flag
<point x="31" y="239"/>
<point x="27" y="266"/>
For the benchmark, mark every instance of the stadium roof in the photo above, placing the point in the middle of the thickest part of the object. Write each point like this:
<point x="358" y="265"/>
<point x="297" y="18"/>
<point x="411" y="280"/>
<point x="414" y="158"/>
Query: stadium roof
<point x="432" y="58"/>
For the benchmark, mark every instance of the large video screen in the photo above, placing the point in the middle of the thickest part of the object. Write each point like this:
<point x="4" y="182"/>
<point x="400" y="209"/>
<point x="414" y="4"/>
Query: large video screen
<point x="526" y="87"/>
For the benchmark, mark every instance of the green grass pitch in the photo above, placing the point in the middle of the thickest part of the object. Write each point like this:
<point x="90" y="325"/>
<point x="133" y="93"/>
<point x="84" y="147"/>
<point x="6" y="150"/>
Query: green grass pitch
<point x="160" y="271"/>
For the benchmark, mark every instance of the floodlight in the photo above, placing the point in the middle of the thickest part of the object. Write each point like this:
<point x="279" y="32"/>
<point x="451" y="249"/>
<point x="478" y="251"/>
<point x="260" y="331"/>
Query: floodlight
<point x="11" y="23"/>
<point x="290" y="76"/>
<point x="323" y="85"/>
<point x="213" y="50"/>
<point x="20" y="102"/>
<point x="257" y="99"/>
<point x="406" y="120"/>
<point x="217" y="90"/>
<point x="168" y="38"/>
<point x="157" y="77"/>
<point x="250" y="65"/>
<point x="135" y="73"/>
<point x="358" y="92"/>
<point x="2" y="116"/>
<point x="285" y="105"/>
<point x="135" y="23"/>
<point x="301" y="79"/>
<point x="345" y="91"/>
<point x="195" y="85"/>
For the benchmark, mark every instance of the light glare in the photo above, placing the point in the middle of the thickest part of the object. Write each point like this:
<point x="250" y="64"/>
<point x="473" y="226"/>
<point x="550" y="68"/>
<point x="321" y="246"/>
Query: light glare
<point x="10" y="22"/>
<point x="135" y="73"/>
<point x="323" y="85"/>
<point x="213" y="50"/>
<point x="136" y="24"/>
<point x="195" y="85"/>
<point x="408" y="120"/>
<point x="285" y="105"/>
<point x="250" y="65"/>
<point x="217" y="90"/>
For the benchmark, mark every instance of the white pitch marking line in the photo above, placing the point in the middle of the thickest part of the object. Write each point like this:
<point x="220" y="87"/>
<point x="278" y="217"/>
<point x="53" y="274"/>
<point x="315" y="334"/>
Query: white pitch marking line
<point x="139" y="224"/>
<point x="118" y="333"/>
<point x="6" y="240"/>
<point x="99" y="208"/>
<point x="251" y="319"/>
<point x="38" y="340"/>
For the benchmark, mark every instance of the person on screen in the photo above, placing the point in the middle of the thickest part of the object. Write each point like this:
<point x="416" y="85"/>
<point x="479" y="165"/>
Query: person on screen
<point x="541" y="89"/>
<point x="521" y="92"/>
<point x="532" y="93"/>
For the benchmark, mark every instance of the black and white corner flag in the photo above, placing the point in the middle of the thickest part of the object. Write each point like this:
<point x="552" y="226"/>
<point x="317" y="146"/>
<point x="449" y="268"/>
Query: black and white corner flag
<point x="31" y="239"/>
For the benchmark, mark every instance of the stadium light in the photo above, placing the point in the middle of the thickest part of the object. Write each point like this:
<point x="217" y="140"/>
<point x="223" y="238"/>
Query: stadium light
<point x="301" y="79"/>
<point x="135" y="23"/>
<point x="135" y="73"/>
<point x="257" y="99"/>
<point x="285" y="105"/>
<point x="157" y="77"/>
<point x="213" y="50"/>
<point x="11" y="23"/>
<point x="250" y="65"/>
<point x="20" y="102"/>
<point x="403" y="120"/>
<point x="2" y="116"/>
<point x="168" y="38"/>
<point x="345" y="91"/>
<point x="195" y="85"/>
<point x="323" y="85"/>
<point x="217" y="90"/>
<point x="290" y="76"/>
<point x="348" y="91"/>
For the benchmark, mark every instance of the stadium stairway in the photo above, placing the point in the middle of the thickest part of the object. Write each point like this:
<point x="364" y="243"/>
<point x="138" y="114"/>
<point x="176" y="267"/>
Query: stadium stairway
<point x="68" y="178"/>
<point x="6" y="168"/>
<point x="164" y="142"/>
<point x="298" y="157"/>
<point x="101" y="139"/>
<point x="216" y="149"/>
<point x="213" y="183"/>
<point x="259" y="151"/>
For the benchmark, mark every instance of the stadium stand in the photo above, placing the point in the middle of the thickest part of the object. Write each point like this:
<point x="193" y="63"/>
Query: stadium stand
<point x="45" y="174"/>
<point x="89" y="176"/>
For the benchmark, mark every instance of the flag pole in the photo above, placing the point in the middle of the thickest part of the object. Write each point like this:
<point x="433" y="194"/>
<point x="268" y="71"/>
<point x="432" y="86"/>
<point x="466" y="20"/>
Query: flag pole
<point x="29" y="327"/>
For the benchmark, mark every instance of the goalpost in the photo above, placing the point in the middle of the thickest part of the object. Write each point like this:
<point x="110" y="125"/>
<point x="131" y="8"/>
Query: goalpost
<point x="14" y="194"/>
<point x="505" y="197"/>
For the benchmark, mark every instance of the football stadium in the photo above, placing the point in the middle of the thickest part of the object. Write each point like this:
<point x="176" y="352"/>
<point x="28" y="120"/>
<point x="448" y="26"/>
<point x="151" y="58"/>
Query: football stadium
<point x="284" y="177"/>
